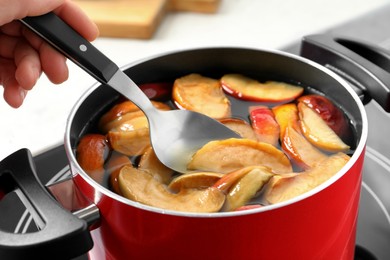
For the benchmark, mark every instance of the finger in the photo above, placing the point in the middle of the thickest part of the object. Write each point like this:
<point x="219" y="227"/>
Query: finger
<point x="16" y="9"/>
<point x="28" y="65"/>
<point x="13" y="28"/>
<point x="76" y="18"/>
<point x="7" y="46"/>
<point x="53" y="64"/>
<point x="13" y="93"/>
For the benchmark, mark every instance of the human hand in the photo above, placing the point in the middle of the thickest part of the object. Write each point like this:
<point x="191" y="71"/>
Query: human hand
<point x="24" y="55"/>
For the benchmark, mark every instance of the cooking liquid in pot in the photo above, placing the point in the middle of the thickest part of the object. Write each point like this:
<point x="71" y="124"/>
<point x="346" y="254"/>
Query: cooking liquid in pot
<point x="239" y="109"/>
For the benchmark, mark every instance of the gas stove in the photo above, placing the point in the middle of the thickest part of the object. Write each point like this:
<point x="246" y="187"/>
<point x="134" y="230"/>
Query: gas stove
<point x="373" y="232"/>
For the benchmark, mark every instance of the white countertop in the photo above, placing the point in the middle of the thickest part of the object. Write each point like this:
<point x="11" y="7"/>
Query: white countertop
<point x="40" y="123"/>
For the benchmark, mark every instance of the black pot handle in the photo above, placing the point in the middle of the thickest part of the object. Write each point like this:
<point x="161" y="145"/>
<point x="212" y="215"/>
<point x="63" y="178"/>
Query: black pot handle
<point x="61" y="235"/>
<point x="366" y="67"/>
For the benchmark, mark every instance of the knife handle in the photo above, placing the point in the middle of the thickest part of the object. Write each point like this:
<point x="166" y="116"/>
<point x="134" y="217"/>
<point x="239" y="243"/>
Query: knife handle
<point x="65" y="39"/>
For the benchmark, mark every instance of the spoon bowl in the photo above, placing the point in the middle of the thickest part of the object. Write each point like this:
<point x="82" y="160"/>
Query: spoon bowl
<point x="175" y="135"/>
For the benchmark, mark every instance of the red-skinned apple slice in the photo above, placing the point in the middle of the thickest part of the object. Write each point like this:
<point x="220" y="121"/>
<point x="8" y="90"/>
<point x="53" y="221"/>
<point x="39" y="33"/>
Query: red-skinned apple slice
<point x="157" y="91"/>
<point x="91" y="153"/>
<point x="330" y="113"/>
<point x="264" y="124"/>
<point x="123" y="112"/>
<point x="301" y="151"/>
<point x="201" y="94"/>
<point x="317" y="131"/>
<point x="285" y="187"/>
<point x="248" y="207"/>
<point x="246" y="88"/>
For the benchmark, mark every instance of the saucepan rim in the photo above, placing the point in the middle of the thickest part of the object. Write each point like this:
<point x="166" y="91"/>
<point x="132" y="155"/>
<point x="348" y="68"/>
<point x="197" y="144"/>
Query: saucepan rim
<point x="360" y="148"/>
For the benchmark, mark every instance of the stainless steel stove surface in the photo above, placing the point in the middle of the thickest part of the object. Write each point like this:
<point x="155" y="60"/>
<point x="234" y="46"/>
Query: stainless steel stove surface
<point x="373" y="233"/>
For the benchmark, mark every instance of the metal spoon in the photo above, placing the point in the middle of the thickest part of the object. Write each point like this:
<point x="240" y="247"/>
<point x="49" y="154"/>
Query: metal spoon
<point x="175" y="135"/>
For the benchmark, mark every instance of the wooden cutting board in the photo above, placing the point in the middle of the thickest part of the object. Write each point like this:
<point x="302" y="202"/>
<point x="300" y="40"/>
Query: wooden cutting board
<point x="202" y="6"/>
<point x="125" y="18"/>
<point x="138" y="18"/>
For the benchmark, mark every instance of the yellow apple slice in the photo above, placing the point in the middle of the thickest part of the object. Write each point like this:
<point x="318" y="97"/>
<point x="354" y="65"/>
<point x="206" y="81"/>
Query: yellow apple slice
<point x="196" y="180"/>
<point x="201" y="94"/>
<point x="240" y="126"/>
<point x="131" y="137"/>
<point x="140" y="186"/>
<point x="285" y="187"/>
<point x="286" y="115"/>
<point x="149" y="162"/>
<point x="231" y="154"/>
<point x="317" y="131"/>
<point x="246" y="188"/>
<point x="231" y="178"/>
<point x="130" y="143"/>
<point x="249" y="89"/>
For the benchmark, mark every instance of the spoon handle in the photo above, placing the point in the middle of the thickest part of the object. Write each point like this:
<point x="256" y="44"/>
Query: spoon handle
<point x="64" y="38"/>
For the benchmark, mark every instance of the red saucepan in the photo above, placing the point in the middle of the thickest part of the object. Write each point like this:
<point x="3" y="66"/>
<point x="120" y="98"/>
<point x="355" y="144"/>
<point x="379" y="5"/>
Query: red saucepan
<point x="320" y="224"/>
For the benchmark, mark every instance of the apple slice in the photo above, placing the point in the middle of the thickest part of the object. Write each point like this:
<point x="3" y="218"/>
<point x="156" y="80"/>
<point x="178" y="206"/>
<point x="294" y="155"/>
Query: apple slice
<point x="264" y="124"/>
<point x="91" y="153"/>
<point x="123" y="112"/>
<point x="130" y="137"/>
<point x="157" y="90"/>
<point x="317" y="131"/>
<point x="285" y="187"/>
<point x="248" y="207"/>
<point x="149" y="162"/>
<point x="140" y="186"/>
<point x="300" y="150"/>
<point x="286" y="115"/>
<point x="330" y="113"/>
<point x="249" y="89"/>
<point x="115" y="112"/>
<point x="246" y="188"/>
<point x="113" y="167"/>
<point x="231" y="154"/>
<point x="130" y="143"/>
<point x="196" y="180"/>
<point x="231" y="178"/>
<point x="201" y="94"/>
<point x="240" y="126"/>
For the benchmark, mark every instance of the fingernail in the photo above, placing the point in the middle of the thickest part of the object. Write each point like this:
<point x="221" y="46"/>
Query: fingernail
<point x="22" y="93"/>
